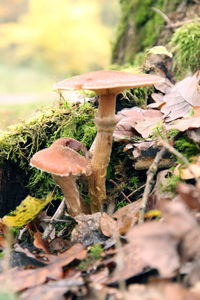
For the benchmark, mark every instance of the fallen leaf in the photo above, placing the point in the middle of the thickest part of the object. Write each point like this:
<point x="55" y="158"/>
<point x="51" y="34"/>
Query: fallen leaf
<point x="161" y="50"/>
<point x="147" y="126"/>
<point x="58" y="244"/>
<point x="194" y="135"/>
<point x="194" y="274"/>
<point x="132" y="122"/>
<point x="108" y="225"/>
<point x="150" y="246"/>
<point x="189" y="173"/>
<point x="178" y="218"/>
<point x="52" y="290"/>
<point x="187" y="123"/>
<point x="27" y="211"/>
<point x="30" y="278"/>
<point x="181" y="98"/>
<point x="40" y="243"/>
<point x="160" y="291"/>
<point x="87" y="231"/>
<point x="164" y="87"/>
<point x="131" y="209"/>
<point x="190" y="194"/>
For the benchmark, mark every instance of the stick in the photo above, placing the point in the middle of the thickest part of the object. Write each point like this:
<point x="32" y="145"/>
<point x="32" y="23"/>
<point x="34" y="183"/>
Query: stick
<point x="179" y="24"/>
<point x="133" y="192"/>
<point x="56" y="216"/>
<point x="125" y="197"/>
<point x="150" y="175"/>
<point x="164" y="16"/>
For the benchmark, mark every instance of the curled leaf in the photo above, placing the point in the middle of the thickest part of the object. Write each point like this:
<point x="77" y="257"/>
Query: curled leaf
<point x="161" y="50"/>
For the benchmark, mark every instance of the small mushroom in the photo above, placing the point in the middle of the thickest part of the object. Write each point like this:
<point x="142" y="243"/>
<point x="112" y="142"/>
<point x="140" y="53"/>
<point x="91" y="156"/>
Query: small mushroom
<point x="107" y="84"/>
<point x="65" y="164"/>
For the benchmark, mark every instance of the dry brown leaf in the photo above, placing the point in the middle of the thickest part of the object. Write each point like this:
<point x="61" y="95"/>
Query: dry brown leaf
<point x="108" y="225"/>
<point x="189" y="89"/>
<point x="30" y="278"/>
<point x="52" y="290"/>
<point x="131" y="209"/>
<point x="150" y="246"/>
<point x="194" y="135"/>
<point x="164" y="87"/>
<point x="40" y="243"/>
<point x="125" y="130"/>
<point x="190" y="194"/>
<point x="187" y="123"/>
<point x="58" y="244"/>
<point x="189" y="173"/>
<point x="160" y="291"/>
<point x="135" y="117"/>
<point x="178" y="218"/>
<point x="181" y="98"/>
<point x="146" y="127"/>
<point x="189" y="248"/>
<point x="87" y="231"/>
<point x="193" y="275"/>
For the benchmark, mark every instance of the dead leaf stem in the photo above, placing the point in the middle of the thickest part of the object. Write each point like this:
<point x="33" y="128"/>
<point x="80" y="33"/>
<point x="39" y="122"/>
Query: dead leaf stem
<point x="53" y="220"/>
<point x="150" y="175"/>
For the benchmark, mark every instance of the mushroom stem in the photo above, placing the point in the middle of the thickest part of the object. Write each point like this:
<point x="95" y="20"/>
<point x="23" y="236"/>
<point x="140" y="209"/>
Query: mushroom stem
<point x="75" y="204"/>
<point x="106" y="121"/>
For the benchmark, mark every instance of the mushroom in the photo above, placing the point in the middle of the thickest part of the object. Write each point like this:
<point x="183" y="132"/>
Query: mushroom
<point x="107" y="84"/>
<point x="65" y="164"/>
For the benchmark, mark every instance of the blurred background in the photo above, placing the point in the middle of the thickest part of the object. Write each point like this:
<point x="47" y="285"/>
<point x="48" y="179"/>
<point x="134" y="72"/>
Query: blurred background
<point x="43" y="41"/>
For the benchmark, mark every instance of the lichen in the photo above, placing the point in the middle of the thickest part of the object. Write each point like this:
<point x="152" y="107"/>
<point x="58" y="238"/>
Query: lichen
<point x="185" y="44"/>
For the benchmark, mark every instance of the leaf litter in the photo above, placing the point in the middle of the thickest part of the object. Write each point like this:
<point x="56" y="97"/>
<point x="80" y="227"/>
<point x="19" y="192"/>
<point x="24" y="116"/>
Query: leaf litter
<point x="104" y="256"/>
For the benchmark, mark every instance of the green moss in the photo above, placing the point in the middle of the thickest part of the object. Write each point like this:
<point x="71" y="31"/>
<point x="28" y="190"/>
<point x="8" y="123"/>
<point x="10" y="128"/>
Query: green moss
<point x="171" y="182"/>
<point x="93" y="255"/>
<point x="185" y="44"/>
<point x="138" y="27"/>
<point x="186" y="146"/>
<point x="21" y="141"/>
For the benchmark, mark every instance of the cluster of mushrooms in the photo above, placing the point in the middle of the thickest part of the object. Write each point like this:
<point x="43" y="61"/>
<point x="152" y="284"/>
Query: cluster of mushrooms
<point x="62" y="159"/>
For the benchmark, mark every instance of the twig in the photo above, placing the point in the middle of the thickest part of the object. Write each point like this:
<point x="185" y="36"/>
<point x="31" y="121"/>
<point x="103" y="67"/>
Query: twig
<point x="55" y="217"/>
<point x="135" y="191"/>
<point x="125" y="197"/>
<point x="172" y="150"/>
<point x="179" y="24"/>
<point x="150" y="175"/>
<point x="164" y="16"/>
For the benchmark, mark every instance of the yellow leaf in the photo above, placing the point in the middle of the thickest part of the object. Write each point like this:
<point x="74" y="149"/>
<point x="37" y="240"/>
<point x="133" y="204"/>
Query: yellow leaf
<point x="152" y="213"/>
<point x="27" y="211"/>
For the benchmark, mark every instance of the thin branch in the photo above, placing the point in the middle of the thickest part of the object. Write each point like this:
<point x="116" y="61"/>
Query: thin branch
<point x="179" y="24"/>
<point x="164" y="16"/>
<point x="150" y="175"/>
<point x="54" y="219"/>
<point x="135" y="191"/>
<point x="125" y="197"/>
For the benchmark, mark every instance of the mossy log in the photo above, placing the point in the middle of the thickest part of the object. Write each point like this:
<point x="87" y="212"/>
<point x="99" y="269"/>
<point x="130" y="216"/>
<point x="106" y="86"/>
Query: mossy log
<point x="21" y="141"/>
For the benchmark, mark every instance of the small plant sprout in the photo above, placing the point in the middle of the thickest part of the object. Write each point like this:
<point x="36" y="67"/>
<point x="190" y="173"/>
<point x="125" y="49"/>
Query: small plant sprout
<point x="107" y="84"/>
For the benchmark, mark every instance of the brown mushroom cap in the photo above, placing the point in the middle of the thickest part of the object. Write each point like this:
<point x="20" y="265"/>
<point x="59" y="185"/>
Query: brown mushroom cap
<point x="105" y="80"/>
<point x="61" y="160"/>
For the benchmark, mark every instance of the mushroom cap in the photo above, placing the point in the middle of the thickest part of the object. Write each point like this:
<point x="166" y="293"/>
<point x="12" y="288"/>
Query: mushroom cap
<point x="108" y="81"/>
<point x="61" y="160"/>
